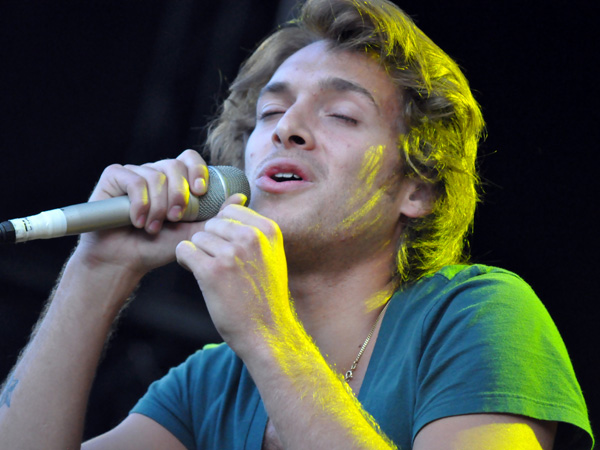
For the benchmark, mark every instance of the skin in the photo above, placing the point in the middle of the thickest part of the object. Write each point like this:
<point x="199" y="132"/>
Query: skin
<point x="308" y="242"/>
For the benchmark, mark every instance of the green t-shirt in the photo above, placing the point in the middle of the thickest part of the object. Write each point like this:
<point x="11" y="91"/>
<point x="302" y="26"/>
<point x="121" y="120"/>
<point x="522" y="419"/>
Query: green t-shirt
<point x="469" y="339"/>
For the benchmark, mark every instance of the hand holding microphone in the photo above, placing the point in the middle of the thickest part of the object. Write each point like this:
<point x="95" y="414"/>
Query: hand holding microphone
<point x="115" y="212"/>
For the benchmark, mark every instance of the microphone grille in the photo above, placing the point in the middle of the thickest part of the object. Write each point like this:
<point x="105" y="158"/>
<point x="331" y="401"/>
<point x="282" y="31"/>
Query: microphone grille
<point x="223" y="182"/>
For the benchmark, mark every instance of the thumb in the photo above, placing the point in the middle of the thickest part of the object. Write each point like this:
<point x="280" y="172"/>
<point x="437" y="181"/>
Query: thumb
<point x="235" y="199"/>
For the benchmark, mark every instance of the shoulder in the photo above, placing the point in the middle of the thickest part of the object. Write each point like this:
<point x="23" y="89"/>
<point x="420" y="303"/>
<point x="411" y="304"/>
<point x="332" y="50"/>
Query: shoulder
<point x="486" y="307"/>
<point x="474" y="290"/>
<point x="205" y="367"/>
<point x="486" y="325"/>
<point x="476" y="276"/>
<point x="215" y="365"/>
<point x="193" y="398"/>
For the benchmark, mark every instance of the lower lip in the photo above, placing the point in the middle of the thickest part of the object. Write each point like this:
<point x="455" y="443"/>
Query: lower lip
<point x="267" y="184"/>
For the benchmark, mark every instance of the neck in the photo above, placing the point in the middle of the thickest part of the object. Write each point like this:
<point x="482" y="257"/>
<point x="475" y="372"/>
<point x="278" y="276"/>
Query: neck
<point x="341" y="303"/>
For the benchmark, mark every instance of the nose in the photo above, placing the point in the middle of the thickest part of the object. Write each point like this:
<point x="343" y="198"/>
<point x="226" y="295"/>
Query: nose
<point x="293" y="131"/>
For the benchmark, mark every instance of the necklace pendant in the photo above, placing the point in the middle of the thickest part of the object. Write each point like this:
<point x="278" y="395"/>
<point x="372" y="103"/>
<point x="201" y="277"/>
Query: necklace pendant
<point x="348" y="376"/>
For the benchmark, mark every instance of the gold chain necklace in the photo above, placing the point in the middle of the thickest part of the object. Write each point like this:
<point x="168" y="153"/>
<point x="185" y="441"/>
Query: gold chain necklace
<point x="350" y="372"/>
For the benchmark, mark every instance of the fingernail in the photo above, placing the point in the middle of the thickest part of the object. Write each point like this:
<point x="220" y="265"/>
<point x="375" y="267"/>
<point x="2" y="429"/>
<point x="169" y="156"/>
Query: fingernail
<point x="200" y="185"/>
<point x="175" y="213"/>
<point x="140" y="221"/>
<point x="154" y="227"/>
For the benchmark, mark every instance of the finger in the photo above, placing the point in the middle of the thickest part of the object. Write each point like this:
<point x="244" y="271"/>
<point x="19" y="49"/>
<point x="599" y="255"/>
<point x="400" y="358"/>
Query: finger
<point x="197" y="171"/>
<point x="178" y="188"/>
<point x="235" y="199"/>
<point x="185" y="254"/>
<point x="117" y="180"/>
<point x="198" y="251"/>
<point x="247" y="216"/>
<point x="209" y="243"/>
<point x="156" y="182"/>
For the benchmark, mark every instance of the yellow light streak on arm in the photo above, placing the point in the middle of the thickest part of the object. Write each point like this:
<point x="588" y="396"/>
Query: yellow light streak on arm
<point x="299" y="388"/>
<point x="497" y="436"/>
<point x="486" y="432"/>
<point x="321" y="390"/>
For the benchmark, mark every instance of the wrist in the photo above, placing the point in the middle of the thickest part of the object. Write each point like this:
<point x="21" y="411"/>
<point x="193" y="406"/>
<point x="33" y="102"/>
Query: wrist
<point x="100" y="285"/>
<point x="280" y="347"/>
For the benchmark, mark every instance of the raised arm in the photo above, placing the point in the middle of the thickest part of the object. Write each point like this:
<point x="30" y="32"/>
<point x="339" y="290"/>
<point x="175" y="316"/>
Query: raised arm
<point x="44" y="399"/>
<point x="241" y="268"/>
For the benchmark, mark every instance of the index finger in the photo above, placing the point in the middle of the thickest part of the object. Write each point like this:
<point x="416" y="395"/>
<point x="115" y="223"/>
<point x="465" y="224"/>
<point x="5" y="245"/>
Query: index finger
<point x="247" y="216"/>
<point x="197" y="171"/>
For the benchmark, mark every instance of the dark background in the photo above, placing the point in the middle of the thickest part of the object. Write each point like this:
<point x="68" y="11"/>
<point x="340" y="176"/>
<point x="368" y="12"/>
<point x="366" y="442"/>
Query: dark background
<point x="86" y="84"/>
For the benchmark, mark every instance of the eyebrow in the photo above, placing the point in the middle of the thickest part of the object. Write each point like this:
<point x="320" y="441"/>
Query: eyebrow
<point x="332" y="83"/>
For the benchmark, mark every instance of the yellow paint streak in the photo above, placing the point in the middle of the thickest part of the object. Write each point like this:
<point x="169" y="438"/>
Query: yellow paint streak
<point x="379" y="299"/>
<point x="298" y="357"/>
<point x="497" y="436"/>
<point x="362" y="212"/>
<point x="185" y="191"/>
<point x="316" y="382"/>
<point x="145" y="196"/>
<point x="372" y="164"/>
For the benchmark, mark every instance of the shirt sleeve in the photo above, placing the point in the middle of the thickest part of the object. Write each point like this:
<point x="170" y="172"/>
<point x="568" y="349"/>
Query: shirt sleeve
<point x="491" y="347"/>
<point x="167" y="401"/>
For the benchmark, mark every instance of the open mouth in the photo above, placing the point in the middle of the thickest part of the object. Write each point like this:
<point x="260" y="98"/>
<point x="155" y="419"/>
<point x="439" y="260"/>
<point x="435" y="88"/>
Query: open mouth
<point x="285" y="176"/>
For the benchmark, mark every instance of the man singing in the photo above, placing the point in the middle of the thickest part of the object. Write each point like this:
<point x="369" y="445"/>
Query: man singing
<point x="349" y="314"/>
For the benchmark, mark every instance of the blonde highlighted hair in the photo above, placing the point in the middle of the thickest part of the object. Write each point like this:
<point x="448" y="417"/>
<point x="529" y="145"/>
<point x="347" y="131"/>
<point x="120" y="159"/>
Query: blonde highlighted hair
<point x="443" y="120"/>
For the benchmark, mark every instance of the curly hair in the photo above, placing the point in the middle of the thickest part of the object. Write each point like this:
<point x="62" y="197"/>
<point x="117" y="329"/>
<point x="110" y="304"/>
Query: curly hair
<point x="443" y="120"/>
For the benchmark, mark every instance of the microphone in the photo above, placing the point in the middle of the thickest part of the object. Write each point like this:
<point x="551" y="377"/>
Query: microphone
<point x="114" y="212"/>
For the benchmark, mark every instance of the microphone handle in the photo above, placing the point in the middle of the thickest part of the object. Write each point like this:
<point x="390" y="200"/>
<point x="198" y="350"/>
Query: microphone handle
<point x="114" y="212"/>
<point x="77" y="219"/>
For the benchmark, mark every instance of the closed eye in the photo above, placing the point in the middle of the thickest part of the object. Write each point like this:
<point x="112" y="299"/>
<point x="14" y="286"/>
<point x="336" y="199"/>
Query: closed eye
<point x="345" y="118"/>
<point x="267" y="114"/>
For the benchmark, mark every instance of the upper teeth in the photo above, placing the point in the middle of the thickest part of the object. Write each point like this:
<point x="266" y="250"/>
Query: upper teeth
<point x="287" y="176"/>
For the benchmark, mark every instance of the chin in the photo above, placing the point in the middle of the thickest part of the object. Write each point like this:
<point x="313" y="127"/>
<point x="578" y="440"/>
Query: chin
<point x="274" y="208"/>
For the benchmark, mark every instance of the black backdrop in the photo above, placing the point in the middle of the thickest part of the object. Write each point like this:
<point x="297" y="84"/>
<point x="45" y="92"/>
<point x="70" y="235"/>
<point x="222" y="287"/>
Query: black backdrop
<point x="86" y="84"/>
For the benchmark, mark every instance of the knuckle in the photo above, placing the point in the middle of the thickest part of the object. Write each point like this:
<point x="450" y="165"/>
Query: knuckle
<point x="271" y="228"/>
<point x="138" y="187"/>
<point x="159" y="209"/>
<point x="189" y="153"/>
<point x="157" y="177"/>
<point x="113" y="167"/>
<point x="178" y="165"/>
<point x="211" y="224"/>
<point x="249" y="235"/>
<point x="229" y="257"/>
<point x="138" y="204"/>
<point x="112" y="170"/>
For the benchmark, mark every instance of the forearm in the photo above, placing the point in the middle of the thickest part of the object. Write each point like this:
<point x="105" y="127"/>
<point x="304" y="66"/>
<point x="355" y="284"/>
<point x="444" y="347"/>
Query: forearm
<point x="309" y="403"/>
<point x="45" y="399"/>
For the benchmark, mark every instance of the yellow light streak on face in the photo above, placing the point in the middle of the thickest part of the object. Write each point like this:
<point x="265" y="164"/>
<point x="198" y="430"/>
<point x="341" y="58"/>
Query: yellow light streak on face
<point x="362" y="212"/>
<point x="497" y="436"/>
<point x="372" y="163"/>
<point x="365" y="200"/>
<point x="379" y="298"/>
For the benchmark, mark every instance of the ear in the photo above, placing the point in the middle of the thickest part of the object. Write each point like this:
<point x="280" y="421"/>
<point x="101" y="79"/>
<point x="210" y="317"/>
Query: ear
<point x="417" y="198"/>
